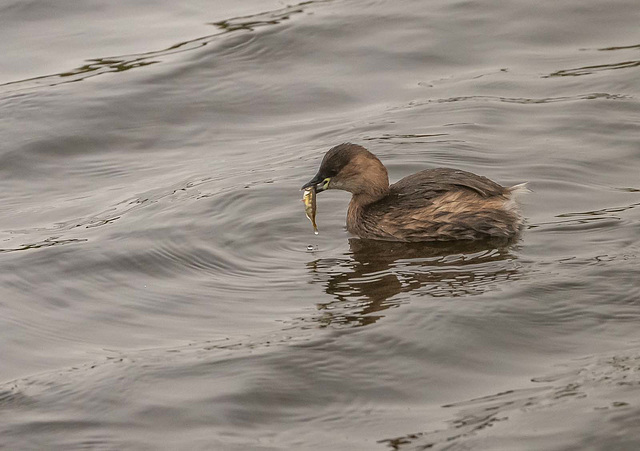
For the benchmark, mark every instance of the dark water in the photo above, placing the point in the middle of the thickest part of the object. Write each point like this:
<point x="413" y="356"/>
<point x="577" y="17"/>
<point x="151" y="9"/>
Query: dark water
<point x="156" y="291"/>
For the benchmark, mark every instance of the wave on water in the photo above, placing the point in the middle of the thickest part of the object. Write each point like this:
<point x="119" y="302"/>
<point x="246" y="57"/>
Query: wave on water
<point x="597" y="390"/>
<point x="121" y="63"/>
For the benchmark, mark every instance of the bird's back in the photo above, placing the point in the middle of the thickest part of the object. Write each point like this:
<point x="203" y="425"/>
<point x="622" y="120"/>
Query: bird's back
<point x="438" y="205"/>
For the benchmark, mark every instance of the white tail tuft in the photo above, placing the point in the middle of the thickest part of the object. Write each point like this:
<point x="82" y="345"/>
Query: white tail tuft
<point x="520" y="188"/>
<point x="514" y="192"/>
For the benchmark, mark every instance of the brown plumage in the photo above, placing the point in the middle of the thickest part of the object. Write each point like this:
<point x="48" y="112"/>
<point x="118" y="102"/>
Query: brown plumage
<point x="433" y="205"/>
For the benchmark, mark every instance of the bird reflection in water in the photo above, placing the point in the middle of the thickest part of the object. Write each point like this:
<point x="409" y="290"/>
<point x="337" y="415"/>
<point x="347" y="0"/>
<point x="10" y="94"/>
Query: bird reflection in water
<point x="370" y="277"/>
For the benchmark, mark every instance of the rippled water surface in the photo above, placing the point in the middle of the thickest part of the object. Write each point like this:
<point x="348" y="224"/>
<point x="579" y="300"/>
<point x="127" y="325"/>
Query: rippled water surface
<point x="161" y="288"/>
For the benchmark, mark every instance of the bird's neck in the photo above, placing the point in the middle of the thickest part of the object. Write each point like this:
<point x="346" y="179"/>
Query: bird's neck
<point x="356" y="221"/>
<point x="373" y="187"/>
<point x="362" y="199"/>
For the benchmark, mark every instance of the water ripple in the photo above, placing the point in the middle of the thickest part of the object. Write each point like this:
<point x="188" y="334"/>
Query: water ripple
<point x="519" y="100"/>
<point x="620" y="47"/>
<point x="52" y="241"/>
<point x="588" y="70"/>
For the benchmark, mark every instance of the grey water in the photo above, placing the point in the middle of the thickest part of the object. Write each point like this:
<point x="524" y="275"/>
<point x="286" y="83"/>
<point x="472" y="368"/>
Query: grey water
<point x="161" y="288"/>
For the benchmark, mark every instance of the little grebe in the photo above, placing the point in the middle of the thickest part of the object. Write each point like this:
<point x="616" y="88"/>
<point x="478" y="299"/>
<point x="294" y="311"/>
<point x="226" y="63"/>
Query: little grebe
<point x="433" y="205"/>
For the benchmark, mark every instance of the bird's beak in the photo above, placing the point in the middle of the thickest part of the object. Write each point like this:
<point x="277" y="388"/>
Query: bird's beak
<point x="316" y="181"/>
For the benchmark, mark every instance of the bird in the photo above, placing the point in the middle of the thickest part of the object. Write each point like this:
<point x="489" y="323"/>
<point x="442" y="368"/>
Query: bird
<point x="441" y="204"/>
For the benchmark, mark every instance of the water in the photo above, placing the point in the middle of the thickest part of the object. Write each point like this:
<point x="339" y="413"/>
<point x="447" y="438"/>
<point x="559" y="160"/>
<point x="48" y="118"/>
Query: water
<point x="161" y="288"/>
